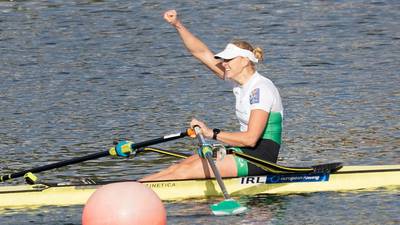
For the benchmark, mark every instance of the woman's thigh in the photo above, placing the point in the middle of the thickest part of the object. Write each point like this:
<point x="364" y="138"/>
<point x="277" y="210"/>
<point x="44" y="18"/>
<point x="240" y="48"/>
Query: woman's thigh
<point x="200" y="168"/>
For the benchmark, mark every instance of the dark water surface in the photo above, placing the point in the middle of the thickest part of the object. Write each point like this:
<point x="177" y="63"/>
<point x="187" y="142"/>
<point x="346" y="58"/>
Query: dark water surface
<point x="75" y="75"/>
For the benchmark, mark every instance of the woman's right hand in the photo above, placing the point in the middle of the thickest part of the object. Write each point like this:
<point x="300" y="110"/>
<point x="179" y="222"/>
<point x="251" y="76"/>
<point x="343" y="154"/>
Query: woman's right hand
<point x="171" y="17"/>
<point x="206" y="131"/>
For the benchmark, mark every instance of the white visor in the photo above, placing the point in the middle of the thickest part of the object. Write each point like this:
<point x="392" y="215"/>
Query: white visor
<point x="232" y="51"/>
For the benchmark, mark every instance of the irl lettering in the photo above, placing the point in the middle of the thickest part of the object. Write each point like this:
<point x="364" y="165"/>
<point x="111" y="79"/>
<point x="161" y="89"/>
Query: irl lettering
<point x="252" y="180"/>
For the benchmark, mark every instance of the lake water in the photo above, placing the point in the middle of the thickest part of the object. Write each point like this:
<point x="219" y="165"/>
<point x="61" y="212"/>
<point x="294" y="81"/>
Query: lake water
<point x="76" y="75"/>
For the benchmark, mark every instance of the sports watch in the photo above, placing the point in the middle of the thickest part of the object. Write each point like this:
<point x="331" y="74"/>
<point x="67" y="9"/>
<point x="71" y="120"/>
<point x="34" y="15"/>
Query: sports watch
<point x="216" y="132"/>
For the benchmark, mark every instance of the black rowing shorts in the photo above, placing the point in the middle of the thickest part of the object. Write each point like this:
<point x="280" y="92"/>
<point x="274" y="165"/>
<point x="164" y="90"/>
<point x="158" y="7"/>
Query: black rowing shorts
<point x="265" y="149"/>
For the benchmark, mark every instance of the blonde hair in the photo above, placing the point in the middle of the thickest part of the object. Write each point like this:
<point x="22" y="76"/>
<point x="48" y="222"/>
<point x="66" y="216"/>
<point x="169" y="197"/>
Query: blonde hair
<point x="258" y="52"/>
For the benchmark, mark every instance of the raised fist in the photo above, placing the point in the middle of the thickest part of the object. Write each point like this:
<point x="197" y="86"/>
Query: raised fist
<point x="171" y="17"/>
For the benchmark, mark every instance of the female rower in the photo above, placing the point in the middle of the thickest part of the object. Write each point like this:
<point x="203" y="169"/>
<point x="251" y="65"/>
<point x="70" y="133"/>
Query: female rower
<point x="258" y="108"/>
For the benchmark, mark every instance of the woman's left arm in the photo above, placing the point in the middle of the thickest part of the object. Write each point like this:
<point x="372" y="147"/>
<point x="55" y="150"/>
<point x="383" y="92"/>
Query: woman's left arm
<point x="257" y="122"/>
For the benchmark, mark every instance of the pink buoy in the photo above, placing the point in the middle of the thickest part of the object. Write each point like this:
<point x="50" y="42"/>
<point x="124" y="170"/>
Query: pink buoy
<point x="124" y="203"/>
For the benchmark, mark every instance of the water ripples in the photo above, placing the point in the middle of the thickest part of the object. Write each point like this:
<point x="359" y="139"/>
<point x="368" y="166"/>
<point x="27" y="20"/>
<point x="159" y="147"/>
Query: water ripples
<point x="76" y="75"/>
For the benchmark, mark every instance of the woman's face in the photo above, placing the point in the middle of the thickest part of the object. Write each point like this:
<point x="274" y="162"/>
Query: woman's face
<point x="233" y="67"/>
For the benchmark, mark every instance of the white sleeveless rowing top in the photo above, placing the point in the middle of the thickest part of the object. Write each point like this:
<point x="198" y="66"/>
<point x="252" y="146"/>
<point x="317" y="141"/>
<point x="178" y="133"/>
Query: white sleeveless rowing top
<point x="260" y="93"/>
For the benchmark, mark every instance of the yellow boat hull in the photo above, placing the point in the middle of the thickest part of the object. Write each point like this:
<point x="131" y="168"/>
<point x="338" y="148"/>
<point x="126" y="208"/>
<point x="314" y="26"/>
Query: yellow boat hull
<point x="346" y="179"/>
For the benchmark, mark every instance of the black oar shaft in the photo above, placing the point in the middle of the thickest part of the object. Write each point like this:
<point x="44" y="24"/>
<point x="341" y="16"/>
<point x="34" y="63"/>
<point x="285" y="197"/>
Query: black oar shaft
<point x="160" y="140"/>
<point x="91" y="156"/>
<point x="54" y="165"/>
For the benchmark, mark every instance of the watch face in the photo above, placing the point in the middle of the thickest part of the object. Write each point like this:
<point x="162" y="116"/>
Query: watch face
<point x="215" y="131"/>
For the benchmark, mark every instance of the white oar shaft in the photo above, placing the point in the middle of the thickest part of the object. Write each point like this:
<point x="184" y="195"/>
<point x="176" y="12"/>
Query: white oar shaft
<point x="218" y="177"/>
<point x="210" y="160"/>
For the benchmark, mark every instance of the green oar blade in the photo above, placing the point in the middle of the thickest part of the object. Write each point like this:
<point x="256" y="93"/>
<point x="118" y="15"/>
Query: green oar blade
<point x="227" y="207"/>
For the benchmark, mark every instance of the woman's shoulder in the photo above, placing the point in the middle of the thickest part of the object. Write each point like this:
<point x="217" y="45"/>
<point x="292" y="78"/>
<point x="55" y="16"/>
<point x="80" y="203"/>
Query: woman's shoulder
<point x="262" y="81"/>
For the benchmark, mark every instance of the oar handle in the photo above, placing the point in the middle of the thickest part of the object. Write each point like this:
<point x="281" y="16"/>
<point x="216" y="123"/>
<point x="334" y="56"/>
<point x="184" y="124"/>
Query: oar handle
<point x="166" y="138"/>
<point x="208" y="155"/>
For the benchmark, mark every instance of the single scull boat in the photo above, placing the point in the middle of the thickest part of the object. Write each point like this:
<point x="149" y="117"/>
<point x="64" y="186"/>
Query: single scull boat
<point x="347" y="178"/>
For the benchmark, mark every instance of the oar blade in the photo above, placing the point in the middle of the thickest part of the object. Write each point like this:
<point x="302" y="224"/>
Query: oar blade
<point x="227" y="207"/>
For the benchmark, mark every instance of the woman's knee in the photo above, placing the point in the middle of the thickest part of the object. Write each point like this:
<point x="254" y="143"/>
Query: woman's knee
<point x="182" y="163"/>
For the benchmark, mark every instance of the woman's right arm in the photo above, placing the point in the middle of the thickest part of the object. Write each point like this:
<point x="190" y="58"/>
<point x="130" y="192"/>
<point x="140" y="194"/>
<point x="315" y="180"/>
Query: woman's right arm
<point x="194" y="45"/>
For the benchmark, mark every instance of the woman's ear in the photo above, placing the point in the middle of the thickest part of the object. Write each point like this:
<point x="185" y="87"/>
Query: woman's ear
<point x="244" y="61"/>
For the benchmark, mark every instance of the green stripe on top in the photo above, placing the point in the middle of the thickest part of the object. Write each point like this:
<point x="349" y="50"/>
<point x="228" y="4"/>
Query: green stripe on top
<point x="273" y="130"/>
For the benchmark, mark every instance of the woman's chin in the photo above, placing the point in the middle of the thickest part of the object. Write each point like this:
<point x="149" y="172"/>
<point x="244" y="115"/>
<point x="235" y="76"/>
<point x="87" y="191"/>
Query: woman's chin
<point x="227" y="76"/>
